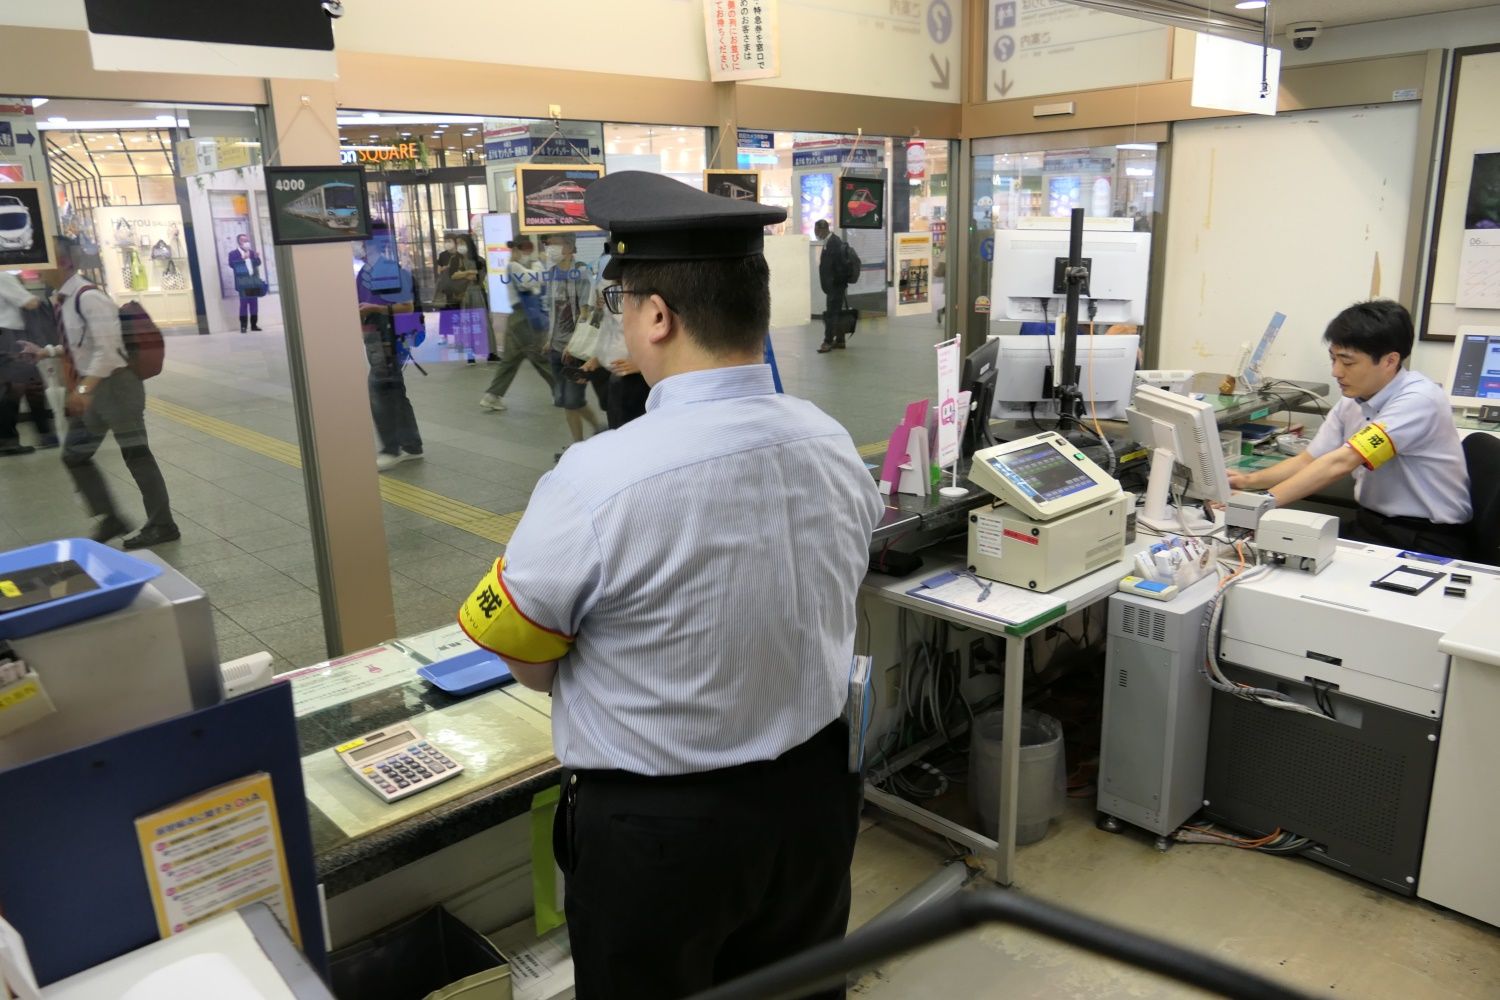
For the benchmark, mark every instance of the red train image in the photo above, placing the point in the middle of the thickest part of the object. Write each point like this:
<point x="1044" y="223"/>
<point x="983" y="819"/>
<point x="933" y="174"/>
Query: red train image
<point x="861" y="203"/>
<point x="564" y="199"/>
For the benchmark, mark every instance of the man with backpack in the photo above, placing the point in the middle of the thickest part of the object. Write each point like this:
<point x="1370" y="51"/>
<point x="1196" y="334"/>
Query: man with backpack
<point x="838" y="268"/>
<point x="106" y="395"/>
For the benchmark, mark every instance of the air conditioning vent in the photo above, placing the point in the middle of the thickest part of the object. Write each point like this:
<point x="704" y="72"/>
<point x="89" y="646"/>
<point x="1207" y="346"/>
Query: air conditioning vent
<point x="1124" y="680"/>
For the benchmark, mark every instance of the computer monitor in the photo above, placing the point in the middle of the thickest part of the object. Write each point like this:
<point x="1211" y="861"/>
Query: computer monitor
<point x="1026" y="273"/>
<point x="1106" y="373"/>
<point x="1178" y="429"/>
<point x="1021" y="378"/>
<point x="1042" y="476"/>
<point x="978" y="380"/>
<point x="1476" y="368"/>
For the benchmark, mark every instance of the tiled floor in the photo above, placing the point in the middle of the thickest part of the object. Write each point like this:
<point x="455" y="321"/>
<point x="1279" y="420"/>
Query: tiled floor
<point x="1293" y="920"/>
<point x="243" y="513"/>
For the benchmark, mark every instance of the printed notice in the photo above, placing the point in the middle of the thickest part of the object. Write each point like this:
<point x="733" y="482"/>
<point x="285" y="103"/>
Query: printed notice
<point x="216" y="852"/>
<point x="438" y="645"/>
<point x="989" y="536"/>
<point x="340" y="681"/>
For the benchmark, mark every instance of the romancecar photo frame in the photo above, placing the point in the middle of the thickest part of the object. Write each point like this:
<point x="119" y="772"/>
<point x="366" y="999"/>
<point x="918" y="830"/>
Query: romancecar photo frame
<point x="549" y="197"/>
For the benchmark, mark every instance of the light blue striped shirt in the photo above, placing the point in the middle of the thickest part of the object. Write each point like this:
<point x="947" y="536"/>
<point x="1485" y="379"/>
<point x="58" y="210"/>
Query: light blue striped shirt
<point x="706" y="557"/>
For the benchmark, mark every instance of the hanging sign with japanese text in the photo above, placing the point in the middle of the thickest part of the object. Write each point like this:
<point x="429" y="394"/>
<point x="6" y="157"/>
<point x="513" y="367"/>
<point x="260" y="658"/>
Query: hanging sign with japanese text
<point x="743" y="37"/>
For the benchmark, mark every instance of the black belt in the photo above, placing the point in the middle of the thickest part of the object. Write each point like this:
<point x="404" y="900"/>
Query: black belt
<point x="1415" y="523"/>
<point x="830" y="742"/>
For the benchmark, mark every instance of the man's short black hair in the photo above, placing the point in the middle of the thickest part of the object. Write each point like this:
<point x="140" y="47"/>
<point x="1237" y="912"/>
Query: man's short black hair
<point x="725" y="304"/>
<point x="821" y="226"/>
<point x="69" y="250"/>
<point x="1375" y="328"/>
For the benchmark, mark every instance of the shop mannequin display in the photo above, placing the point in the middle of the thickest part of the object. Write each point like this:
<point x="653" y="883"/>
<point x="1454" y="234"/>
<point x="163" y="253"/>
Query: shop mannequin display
<point x="244" y="261"/>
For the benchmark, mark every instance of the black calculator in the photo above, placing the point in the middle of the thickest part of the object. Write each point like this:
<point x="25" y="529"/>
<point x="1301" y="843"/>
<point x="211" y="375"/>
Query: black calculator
<point x="397" y="762"/>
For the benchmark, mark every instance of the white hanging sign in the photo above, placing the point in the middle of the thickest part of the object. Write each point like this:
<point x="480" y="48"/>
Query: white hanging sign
<point x="743" y="39"/>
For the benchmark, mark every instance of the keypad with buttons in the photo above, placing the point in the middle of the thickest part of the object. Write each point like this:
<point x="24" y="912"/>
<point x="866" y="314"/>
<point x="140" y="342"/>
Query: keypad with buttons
<point x="407" y="767"/>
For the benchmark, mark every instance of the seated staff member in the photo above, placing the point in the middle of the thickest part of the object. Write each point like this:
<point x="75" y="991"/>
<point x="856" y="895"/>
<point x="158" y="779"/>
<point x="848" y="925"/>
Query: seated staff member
<point x="685" y="586"/>
<point x="1393" y="430"/>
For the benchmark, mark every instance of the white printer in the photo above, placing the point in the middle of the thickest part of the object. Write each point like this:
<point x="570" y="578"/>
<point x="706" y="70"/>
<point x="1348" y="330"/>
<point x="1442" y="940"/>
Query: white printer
<point x="1338" y="628"/>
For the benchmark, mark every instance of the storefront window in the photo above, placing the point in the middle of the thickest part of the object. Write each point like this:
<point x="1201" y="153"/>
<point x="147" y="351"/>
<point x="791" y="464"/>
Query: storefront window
<point x="889" y="361"/>
<point x="163" y="207"/>
<point x="1015" y="188"/>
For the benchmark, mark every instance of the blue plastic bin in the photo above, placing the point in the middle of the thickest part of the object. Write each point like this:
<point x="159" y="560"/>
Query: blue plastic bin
<point x="119" y="576"/>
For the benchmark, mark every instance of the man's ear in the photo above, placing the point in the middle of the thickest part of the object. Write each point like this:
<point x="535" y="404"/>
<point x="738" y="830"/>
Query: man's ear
<point x="661" y="322"/>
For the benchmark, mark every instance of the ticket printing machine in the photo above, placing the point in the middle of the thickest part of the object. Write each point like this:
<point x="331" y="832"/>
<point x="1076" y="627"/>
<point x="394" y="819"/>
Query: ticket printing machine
<point x="104" y="674"/>
<point x="1057" y="516"/>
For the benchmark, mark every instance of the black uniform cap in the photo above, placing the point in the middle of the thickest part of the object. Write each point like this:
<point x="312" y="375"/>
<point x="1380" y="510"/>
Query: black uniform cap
<point x="651" y="217"/>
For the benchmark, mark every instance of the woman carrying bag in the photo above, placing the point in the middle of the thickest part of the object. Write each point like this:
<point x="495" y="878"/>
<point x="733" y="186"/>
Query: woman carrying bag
<point x="244" y="261"/>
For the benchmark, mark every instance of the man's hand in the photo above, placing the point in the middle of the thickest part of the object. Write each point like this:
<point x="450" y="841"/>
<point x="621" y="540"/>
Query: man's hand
<point x="78" y="403"/>
<point x="591" y="365"/>
<point x="29" y="351"/>
<point x="1242" y="481"/>
<point x="32" y="303"/>
<point x="624" y="367"/>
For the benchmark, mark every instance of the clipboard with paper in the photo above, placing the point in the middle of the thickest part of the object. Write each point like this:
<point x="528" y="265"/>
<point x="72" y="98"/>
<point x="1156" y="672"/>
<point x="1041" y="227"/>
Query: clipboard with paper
<point x="1020" y="611"/>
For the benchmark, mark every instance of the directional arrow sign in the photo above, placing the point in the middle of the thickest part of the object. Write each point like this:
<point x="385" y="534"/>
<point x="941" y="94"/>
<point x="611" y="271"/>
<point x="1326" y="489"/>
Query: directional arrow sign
<point x="25" y="138"/>
<point x="942" y="71"/>
<point x="1005" y="85"/>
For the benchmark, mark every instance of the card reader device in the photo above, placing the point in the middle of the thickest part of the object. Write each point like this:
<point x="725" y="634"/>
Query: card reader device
<point x="1057" y="516"/>
<point x="1298" y="539"/>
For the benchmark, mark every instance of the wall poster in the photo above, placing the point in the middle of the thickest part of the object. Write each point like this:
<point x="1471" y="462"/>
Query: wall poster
<point x="25" y="230"/>
<point x="913" y="273"/>
<point x="1479" y="259"/>
<point x="861" y="202"/>
<point x="739" y="185"/>
<point x="551" y="198"/>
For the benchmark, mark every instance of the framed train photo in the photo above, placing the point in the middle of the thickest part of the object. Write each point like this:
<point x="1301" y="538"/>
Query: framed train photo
<point x="317" y="205"/>
<point x="739" y="185"/>
<point x="550" y="197"/>
<point x="861" y="202"/>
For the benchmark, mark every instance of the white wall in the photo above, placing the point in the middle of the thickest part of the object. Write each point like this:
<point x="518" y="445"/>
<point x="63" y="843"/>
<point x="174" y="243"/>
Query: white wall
<point x="1289" y="213"/>
<point x="1407" y="34"/>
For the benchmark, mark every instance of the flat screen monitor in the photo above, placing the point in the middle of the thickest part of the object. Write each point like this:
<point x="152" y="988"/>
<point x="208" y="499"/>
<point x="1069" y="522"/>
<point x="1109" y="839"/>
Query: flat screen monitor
<point x="1021" y="367"/>
<point x="978" y="380"/>
<point x="1476" y="368"/>
<point x="1106" y="373"/>
<point x="1042" y="476"/>
<point x="1186" y="429"/>
<point x="1025" y="275"/>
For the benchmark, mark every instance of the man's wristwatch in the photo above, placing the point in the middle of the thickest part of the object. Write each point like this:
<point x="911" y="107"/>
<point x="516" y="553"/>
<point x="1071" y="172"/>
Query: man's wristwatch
<point x="83" y="390"/>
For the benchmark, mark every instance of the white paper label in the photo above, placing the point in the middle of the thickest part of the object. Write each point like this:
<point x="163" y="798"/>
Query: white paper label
<point x="990" y="535"/>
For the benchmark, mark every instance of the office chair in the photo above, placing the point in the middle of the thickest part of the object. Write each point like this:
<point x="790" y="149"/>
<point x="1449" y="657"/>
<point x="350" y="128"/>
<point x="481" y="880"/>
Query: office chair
<point x="1482" y="456"/>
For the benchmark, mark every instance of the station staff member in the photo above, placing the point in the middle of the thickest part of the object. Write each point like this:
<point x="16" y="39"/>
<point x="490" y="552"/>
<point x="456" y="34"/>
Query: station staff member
<point x="685" y="586"/>
<point x="1393" y="431"/>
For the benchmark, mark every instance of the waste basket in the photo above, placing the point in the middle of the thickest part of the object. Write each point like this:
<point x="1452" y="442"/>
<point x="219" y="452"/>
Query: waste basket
<point x="411" y="959"/>
<point x="1042" y="780"/>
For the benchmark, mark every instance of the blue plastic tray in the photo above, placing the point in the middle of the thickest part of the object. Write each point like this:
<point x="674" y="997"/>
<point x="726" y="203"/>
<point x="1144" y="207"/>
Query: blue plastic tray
<point x="467" y="672"/>
<point x="119" y="576"/>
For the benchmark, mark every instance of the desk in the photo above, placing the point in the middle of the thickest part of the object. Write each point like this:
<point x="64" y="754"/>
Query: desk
<point x="1458" y="866"/>
<point x="1467" y="424"/>
<point x="905" y="513"/>
<point x="502" y="736"/>
<point x="1245" y="406"/>
<point x="999" y="856"/>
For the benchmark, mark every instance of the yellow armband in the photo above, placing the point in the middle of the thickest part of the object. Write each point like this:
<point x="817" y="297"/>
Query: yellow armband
<point x="1373" y="445"/>
<point x="491" y="619"/>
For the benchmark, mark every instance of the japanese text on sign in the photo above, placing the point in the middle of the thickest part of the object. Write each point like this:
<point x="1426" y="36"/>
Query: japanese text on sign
<point x="741" y="37"/>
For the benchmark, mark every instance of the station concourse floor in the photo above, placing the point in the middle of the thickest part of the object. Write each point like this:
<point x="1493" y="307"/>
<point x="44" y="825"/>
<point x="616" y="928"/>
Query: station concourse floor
<point x="222" y="427"/>
<point x="1296" y="921"/>
<point x="221" y="424"/>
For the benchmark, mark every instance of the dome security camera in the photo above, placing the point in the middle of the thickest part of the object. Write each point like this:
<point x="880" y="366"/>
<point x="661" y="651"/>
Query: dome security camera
<point x="1303" y="34"/>
<point x="333" y="8"/>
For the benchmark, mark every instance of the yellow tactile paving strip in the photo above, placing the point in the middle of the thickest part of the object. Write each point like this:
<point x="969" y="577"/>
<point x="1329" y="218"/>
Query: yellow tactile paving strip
<point x="445" y="510"/>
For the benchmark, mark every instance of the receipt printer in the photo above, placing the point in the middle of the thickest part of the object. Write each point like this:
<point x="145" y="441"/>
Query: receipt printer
<point x="1297" y="539"/>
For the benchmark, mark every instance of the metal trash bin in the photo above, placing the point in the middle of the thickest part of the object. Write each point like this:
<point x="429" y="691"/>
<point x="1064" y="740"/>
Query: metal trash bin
<point x="1043" y="774"/>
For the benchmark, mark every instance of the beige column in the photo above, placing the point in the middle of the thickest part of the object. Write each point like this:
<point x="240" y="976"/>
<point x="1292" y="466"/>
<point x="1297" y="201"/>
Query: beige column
<point x="326" y="355"/>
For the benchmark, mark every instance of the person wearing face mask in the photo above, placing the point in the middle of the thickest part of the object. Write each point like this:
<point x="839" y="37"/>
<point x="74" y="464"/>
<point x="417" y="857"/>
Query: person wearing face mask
<point x="387" y="298"/>
<point x="244" y="261"/>
<point x="567" y="284"/>
<point x="523" y="342"/>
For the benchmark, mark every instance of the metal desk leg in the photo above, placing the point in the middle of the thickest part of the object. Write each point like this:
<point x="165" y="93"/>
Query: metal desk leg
<point x="1004" y="862"/>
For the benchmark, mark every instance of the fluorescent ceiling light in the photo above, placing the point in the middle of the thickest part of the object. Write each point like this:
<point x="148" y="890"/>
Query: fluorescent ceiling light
<point x="1250" y="5"/>
<point x="167" y="119"/>
<point x="370" y="114"/>
<point x="389" y="119"/>
<point x="57" y="120"/>
<point x="37" y="102"/>
<point x="104" y="126"/>
<point x="1132" y="145"/>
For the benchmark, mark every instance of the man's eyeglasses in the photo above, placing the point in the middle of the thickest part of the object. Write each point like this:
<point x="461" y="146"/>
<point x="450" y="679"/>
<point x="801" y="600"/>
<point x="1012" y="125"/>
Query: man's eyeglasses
<point x="614" y="296"/>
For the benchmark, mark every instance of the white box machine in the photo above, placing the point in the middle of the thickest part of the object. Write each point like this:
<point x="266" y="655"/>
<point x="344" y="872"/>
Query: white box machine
<point x="1336" y="628"/>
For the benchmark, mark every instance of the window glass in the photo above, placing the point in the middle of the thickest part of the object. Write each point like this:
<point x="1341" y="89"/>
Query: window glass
<point x="1012" y="191"/>
<point x="155" y="216"/>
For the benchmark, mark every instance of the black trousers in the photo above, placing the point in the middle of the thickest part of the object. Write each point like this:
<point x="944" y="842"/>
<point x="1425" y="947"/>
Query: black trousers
<point x="12" y="391"/>
<point x="834" y="305"/>
<point x="627" y="399"/>
<point x="1414" y="533"/>
<point x="675" y="884"/>
<point x="119" y="408"/>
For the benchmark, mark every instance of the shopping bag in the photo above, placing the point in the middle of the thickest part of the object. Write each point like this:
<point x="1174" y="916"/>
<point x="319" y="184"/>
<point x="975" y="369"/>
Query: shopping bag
<point x="584" y="343"/>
